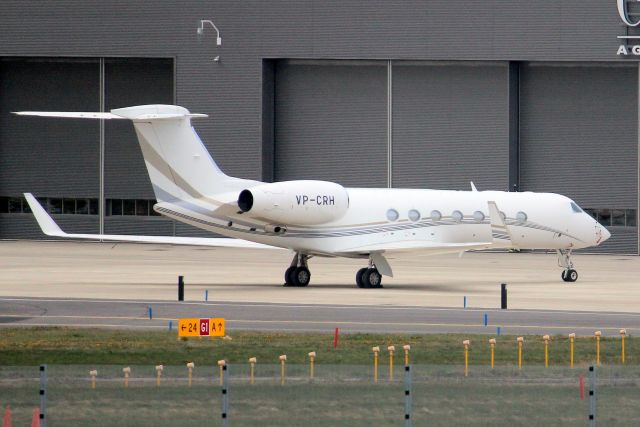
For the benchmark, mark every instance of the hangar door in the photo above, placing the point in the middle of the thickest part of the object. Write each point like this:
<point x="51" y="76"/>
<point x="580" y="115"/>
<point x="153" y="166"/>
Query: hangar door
<point x="450" y="126"/>
<point x="47" y="157"/>
<point x="59" y="160"/>
<point x="331" y="122"/>
<point x="578" y="137"/>
<point x="130" y="197"/>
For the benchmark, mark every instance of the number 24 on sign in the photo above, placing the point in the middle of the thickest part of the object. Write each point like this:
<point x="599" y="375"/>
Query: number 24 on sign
<point x="201" y="327"/>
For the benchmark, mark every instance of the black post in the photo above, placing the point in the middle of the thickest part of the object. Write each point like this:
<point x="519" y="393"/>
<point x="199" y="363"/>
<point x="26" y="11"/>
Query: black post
<point x="43" y="396"/>
<point x="503" y="296"/>
<point x="180" y="288"/>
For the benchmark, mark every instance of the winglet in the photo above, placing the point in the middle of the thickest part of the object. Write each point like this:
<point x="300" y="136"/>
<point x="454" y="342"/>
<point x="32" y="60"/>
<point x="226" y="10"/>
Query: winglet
<point x="46" y="223"/>
<point x="473" y="186"/>
<point x="499" y="230"/>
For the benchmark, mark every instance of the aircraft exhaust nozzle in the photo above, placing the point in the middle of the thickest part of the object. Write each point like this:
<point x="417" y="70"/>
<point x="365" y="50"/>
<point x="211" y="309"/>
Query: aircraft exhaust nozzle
<point x="245" y="201"/>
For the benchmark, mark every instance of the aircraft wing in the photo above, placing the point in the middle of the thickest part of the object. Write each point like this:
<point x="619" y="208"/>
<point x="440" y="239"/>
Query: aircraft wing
<point x="50" y="228"/>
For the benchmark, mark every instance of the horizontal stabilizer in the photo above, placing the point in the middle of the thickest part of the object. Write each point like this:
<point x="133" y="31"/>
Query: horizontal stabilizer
<point x="140" y="113"/>
<point x="69" y="114"/>
<point x="50" y="228"/>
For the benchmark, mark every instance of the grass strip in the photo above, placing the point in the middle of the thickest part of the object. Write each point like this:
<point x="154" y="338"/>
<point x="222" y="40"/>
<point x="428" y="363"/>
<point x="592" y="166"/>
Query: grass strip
<point x="22" y="346"/>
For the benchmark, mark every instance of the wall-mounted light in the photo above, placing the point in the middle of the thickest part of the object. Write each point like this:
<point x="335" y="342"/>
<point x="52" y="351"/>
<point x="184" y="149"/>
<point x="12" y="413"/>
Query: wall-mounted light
<point x="201" y="30"/>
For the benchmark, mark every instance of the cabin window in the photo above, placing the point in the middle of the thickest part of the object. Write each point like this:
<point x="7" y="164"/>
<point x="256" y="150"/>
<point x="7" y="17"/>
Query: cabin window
<point x="436" y="215"/>
<point x="414" y="215"/>
<point x="392" y="215"/>
<point x="457" y="216"/>
<point x="521" y="216"/>
<point x="478" y="216"/>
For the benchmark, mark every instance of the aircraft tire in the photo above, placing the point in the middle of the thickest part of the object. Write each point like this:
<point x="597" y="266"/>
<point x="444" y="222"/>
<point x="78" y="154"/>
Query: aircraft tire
<point x="569" y="275"/>
<point x="301" y="277"/>
<point x="374" y="278"/>
<point x="359" y="276"/>
<point x="288" y="279"/>
<point x="365" y="278"/>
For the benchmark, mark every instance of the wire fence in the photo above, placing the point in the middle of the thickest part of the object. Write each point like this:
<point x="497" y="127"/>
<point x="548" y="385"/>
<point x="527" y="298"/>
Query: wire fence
<point x="337" y="395"/>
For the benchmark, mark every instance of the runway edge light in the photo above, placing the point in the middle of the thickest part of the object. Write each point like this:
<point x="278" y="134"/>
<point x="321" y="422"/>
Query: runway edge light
<point x="376" y="352"/>
<point x="466" y="344"/>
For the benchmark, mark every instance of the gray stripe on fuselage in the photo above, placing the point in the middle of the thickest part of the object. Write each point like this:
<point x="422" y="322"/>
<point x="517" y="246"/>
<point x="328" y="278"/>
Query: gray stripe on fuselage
<point x="355" y="232"/>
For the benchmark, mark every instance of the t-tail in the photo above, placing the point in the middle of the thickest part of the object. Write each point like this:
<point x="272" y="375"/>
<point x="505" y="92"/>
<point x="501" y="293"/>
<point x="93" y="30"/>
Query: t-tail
<point x="179" y="165"/>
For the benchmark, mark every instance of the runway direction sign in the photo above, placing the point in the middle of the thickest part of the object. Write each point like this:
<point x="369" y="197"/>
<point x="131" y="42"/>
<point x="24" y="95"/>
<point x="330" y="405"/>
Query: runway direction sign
<point x="212" y="327"/>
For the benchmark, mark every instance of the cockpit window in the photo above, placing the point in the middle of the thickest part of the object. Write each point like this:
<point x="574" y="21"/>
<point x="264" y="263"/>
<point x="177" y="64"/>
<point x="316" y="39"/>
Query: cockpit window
<point x="575" y="207"/>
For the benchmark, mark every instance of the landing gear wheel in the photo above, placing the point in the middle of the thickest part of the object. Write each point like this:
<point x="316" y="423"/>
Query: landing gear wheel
<point x="374" y="278"/>
<point x="301" y="276"/>
<point x="371" y="278"/>
<point x="359" y="276"/>
<point x="288" y="279"/>
<point x="570" y="275"/>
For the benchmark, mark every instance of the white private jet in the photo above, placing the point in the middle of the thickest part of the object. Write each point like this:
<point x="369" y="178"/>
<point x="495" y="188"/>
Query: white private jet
<point x="320" y="218"/>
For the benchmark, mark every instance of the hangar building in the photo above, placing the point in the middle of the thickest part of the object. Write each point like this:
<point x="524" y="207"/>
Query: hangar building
<point x="511" y="94"/>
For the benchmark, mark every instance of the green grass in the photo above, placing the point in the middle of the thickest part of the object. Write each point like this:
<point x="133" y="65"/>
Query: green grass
<point x="343" y="393"/>
<point x="54" y="345"/>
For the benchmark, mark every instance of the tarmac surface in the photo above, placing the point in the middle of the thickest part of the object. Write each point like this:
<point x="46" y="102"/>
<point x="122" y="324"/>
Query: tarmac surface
<point x="304" y="317"/>
<point x="113" y="285"/>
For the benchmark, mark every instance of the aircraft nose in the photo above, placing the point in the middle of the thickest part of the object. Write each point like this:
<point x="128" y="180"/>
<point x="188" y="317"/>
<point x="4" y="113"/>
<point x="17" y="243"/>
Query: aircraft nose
<point x="602" y="234"/>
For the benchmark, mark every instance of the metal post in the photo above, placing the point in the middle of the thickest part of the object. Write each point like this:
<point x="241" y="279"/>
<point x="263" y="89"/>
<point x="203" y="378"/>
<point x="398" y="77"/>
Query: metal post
<point x="101" y="153"/>
<point x="389" y="124"/>
<point x="43" y="395"/>
<point x="376" y="351"/>
<point x="225" y="396"/>
<point x="572" y="337"/>
<point x="407" y="396"/>
<point x="180" y="288"/>
<point x="592" y="396"/>
<point x="503" y="296"/>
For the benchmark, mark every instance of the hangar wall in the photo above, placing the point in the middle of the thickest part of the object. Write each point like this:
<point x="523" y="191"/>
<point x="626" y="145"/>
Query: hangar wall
<point x="443" y="54"/>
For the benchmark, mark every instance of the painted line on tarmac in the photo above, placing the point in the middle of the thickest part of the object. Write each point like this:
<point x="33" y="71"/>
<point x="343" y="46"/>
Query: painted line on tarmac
<point x="322" y="322"/>
<point x="44" y="316"/>
<point x="323" y="306"/>
<point x="75" y="325"/>
<point x="458" y="325"/>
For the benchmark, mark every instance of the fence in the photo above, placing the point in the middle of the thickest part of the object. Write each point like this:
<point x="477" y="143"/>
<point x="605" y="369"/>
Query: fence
<point x="340" y="395"/>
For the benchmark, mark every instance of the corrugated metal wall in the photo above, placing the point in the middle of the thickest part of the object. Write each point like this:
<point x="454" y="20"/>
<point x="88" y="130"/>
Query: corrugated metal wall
<point x="230" y="90"/>
<point x="445" y="118"/>
<point x="331" y="122"/>
<point x="578" y="130"/>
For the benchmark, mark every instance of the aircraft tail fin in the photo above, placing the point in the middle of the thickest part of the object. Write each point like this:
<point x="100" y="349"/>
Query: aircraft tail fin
<point x="179" y="165"/>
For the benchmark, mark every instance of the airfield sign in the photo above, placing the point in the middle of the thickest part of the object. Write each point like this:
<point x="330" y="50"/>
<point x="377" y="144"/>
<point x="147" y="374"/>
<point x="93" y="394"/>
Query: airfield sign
<point x="213" y="327"/>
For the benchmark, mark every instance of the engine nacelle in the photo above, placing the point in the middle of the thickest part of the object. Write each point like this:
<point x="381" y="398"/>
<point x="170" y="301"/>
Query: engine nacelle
<point x="295" y="202"/>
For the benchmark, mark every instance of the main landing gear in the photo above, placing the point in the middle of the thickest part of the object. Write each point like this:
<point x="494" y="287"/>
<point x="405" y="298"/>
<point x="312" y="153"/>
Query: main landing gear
<point x="298" y="273"/>
<point x="564" y="260"/>
<point x="369" y="277"/>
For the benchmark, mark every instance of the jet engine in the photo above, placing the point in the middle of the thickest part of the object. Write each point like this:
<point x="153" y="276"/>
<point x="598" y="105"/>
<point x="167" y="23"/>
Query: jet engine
<point x="295" y="202"/>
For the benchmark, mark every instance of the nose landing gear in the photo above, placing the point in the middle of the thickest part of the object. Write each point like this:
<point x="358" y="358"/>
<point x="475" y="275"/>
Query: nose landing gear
<point x="564" y="260"/>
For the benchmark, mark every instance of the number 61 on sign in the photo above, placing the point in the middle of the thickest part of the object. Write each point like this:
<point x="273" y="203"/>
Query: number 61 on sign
<point x="213" y="327"/>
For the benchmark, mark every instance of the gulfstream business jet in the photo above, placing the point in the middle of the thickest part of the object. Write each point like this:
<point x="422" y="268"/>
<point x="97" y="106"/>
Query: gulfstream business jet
<point x="320" y="218"/>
